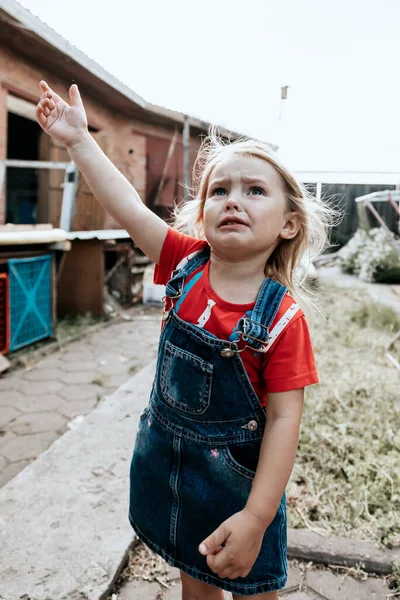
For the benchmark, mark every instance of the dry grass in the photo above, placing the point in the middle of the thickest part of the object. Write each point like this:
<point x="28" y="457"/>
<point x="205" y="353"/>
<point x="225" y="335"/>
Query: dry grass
<point x="346" y="479"/>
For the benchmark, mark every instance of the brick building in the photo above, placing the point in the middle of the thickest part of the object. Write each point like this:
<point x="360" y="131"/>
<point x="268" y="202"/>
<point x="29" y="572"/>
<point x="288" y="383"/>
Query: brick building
<point x="134" y="134"/>
<point x="144" y="141"/>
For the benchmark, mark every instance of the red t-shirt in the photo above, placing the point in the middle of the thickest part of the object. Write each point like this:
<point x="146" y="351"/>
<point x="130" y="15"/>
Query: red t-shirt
<point x="288" y="363"/>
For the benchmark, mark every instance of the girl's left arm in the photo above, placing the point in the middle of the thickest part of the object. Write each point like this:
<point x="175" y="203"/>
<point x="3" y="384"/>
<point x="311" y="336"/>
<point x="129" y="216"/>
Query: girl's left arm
<point x="277" y="455"/>
<point x="232" y="549"/>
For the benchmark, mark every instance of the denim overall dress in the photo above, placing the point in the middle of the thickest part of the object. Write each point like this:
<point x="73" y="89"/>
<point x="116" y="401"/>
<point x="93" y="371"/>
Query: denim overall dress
<point x="198" y="443"/>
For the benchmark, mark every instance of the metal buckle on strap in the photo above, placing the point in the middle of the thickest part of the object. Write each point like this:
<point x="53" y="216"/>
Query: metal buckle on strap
<point x="178" y="295"/>
<point x="250" y="337"/>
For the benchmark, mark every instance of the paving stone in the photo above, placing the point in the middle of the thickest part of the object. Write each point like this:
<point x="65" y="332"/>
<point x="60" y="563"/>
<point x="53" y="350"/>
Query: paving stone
<point x="3" y="462"/>
<point x="138" y="589"/>
<point x="39" y="373"/>
<point x="26" y="447"/>
<point x="6" y="436"/>
<point x="37" y="422"/>
<point x="334" y="586"/>
<point x="115" y="381"/>
<point x="78" y="407"/>
<point x="10" y="471"/>
<point x="86" y="391"/>
<point x="114" y="367"/>
<point x="7" y="382"/>
<point x="79" y="377"/>
<point x="36" y="388"/>
<point x="51" y="362"/>
<point x="45" y="403"/>
<point x="7" y="413"/>
<point x="75" y="367"/>
<point x="11" y="398"/>
<point x="295" y="577"/>
<point x="79" y="355"/>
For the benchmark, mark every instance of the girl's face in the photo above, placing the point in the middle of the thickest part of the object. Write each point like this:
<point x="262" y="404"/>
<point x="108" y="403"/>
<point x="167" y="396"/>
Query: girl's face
<point x="245" y="207"/>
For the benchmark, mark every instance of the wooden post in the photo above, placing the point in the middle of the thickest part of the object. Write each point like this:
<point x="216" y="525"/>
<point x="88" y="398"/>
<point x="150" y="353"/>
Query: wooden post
<point x="363" y="221"/>
<point x="166" y="167"/>
<point x="186" y="158"/>
<point x="3" y="152"/>
<point x="68" y="202"/>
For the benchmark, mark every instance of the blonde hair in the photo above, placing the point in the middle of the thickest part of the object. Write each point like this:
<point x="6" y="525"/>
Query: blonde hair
<point x="316" y="218"/>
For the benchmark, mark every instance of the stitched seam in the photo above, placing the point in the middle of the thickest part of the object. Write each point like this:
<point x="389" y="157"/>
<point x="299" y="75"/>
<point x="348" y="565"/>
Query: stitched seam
<point x="238" y="468"/>
<point x="205" y="389"/>
<point x="221" y="440"/>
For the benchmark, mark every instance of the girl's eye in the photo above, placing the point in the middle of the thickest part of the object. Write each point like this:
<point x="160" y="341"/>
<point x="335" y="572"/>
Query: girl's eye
<point x="257" y="191"/>
<point x="219" y="192"/>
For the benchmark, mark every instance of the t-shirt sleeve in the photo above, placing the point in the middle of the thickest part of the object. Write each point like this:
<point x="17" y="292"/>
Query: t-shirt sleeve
<point x="176" y="246"/>
<point x="291" y="364"/>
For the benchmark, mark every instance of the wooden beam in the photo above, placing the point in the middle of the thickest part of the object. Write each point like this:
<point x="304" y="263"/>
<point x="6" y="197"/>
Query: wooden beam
<point x="35" y="164"/>
<point x="166" y="166"/>
<point x="69" y="196"/>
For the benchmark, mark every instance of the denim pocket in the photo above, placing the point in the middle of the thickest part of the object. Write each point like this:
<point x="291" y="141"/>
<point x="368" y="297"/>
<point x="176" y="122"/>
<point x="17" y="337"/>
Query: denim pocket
<point x="243" y="461"/>
<point x="185" y="380"/>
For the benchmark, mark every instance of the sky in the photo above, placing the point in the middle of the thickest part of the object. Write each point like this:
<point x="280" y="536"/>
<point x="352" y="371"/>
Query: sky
<point x="225" y="62"/>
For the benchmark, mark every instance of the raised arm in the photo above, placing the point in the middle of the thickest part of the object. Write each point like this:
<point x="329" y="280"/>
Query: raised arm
<point x="68" y="125"/>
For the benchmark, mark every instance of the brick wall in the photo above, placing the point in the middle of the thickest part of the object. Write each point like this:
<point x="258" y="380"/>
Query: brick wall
<point x="130" y="144"/>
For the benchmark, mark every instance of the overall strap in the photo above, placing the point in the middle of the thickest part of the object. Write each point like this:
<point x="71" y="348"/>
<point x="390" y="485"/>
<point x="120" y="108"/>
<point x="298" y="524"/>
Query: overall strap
<point x="255" y="330"/>
<point x="175" y="285"/>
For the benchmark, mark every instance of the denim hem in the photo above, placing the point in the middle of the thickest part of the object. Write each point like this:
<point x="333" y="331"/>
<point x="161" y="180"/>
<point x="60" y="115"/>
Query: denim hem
<point x="228" y="586"/>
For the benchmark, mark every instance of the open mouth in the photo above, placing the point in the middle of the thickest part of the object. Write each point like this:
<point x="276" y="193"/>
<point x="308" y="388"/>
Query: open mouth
<point x="233" y="223"/>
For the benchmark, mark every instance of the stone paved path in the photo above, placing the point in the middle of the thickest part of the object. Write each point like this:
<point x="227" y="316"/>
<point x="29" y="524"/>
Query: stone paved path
<point x="303" y="584"/>
<point x="36" y="404"/>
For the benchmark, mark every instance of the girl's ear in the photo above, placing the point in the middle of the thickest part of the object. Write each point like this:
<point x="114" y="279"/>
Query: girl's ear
<point x="291" y="226"/>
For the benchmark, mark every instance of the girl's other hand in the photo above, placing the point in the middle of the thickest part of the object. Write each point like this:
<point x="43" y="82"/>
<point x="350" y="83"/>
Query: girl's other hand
<point x="60" y="120"/>
<point x="233" y="548"/>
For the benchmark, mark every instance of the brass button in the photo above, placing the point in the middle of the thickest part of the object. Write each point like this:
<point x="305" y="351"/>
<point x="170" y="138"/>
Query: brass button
<point x="227" y="352"/>
<point x="252" y="425"/>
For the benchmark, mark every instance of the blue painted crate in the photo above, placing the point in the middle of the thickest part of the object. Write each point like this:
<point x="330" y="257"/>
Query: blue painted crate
<point x="30" y="300"/>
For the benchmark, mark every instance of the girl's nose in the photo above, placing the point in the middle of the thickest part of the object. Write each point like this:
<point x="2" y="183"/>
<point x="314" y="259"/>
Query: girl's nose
<point x="232" y="203"/>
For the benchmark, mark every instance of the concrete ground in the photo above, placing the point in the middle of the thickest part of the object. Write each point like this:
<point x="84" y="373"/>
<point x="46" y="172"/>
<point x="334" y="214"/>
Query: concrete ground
<point x="36" y="404"/>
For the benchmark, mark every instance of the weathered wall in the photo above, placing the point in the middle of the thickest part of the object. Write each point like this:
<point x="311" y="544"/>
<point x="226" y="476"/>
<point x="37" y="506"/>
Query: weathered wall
<point x="130" y="144"/>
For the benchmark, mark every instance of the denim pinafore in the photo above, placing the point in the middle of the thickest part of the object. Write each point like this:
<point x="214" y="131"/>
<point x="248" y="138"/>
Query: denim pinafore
<point x="198" y="443"/>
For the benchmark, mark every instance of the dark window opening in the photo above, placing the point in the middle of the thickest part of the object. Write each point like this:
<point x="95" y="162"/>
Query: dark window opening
<point x="22" y="183"/>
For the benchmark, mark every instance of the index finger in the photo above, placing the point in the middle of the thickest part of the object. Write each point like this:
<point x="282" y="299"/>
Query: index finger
<point x="220" y="561"/>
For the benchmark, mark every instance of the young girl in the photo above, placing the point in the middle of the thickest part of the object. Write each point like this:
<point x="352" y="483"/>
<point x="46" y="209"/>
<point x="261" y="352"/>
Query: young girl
<point x="217" y="442"/>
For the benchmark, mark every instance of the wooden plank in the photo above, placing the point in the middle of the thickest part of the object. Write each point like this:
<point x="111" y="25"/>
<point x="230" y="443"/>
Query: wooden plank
<point x="35" y="164"/>
<point x="5" y="256"/>
<point x="80" y="287"/>
<point x="12" y="227"/>
<point x="21" y="107"/>
<point x="70" y="187"/>
<point x="166" y="166"/>
<point x="64" y="246"/>
<point x="53" y="292"/>
<point x="89" y="213"/>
